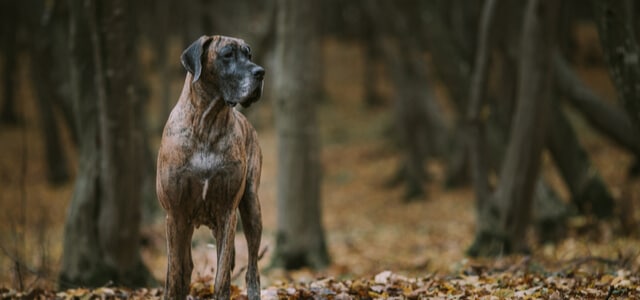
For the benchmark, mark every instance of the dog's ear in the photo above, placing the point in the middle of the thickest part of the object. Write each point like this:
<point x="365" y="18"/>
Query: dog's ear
<point x="191" y="57"/>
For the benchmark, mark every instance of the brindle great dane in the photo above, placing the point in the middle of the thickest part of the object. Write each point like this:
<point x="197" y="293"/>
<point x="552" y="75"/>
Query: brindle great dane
<point x="209" y="163"/>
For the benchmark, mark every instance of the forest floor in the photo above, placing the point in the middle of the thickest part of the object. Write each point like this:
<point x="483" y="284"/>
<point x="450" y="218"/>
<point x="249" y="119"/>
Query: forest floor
<point x="380" y="246"/>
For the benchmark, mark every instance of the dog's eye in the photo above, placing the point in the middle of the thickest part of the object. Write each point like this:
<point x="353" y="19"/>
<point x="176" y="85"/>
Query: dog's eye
<point x="246" y="51"/>
<point x="226" y="53"/>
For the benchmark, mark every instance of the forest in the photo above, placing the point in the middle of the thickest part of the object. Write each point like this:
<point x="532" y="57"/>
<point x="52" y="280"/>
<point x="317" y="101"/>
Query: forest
<point x="442" y="149"/>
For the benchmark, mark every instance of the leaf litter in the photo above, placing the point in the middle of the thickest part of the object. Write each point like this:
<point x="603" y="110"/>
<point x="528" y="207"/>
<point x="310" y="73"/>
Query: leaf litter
<point x="381" y="248"/>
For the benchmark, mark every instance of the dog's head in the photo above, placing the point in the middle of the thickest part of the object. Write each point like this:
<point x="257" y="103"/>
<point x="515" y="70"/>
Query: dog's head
<point x="223" y="64"/>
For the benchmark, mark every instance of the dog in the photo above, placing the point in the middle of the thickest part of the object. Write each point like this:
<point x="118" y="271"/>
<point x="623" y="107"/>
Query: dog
<point x="209" y="163"/>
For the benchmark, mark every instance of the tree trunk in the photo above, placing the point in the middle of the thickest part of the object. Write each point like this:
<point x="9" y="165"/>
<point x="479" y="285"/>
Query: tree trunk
<point x="410" y="117"/>
<point x="46" y="75"/>
<point x="550" y="213"/>
<point x="588" y="191"/>
<point x="505" y="217"/>
<point x="300" y="237"/>
<point x="476" y="135"/>
<point x="102" y="239"/>
<point x="609" y="119"/>
<point x="621" y="51"/>
<point x="81" y="263"/>
<point x="10" y="19"/>
<point x="453" y="66"/>
<point x="421" y="128"/>
<point x="119" y="220"/>
<point x="449" y="59"/>
<point x="370" y="71"/>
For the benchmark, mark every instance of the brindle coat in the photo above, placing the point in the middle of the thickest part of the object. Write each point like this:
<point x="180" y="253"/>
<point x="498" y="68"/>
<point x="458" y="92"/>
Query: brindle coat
<point x="209" y="163"/>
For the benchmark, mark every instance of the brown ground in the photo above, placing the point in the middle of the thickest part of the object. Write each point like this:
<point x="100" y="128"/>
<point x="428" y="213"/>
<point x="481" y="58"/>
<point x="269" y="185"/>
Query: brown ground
<point x="369" y="229"/>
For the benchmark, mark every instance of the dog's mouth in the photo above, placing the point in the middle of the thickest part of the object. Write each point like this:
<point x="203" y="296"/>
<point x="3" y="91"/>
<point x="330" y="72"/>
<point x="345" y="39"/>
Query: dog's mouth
<point x="254" y="96"/>
<point x="246" y="94"/>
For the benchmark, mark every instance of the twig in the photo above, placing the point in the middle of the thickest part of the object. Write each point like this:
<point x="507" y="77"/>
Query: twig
<point x="610" y="293"/>
<point x="576" y="262"/>
<point x="18" y="262"/>
<point x="244" y="268"/>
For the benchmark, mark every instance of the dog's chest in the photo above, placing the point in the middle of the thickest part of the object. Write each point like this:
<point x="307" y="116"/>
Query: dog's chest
<point x="209" y="165"/>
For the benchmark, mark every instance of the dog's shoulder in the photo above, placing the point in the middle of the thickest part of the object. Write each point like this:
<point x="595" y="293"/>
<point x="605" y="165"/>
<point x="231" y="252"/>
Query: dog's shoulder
<point x="251" y="136"/>
<point x="244" y="123"/>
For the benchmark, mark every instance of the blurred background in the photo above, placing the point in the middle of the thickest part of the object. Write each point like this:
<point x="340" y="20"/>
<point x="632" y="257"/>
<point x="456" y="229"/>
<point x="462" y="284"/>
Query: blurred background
<point x="427" y="133"/>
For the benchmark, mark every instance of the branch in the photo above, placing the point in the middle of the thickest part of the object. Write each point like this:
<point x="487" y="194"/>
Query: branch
<point x="608" y="119"/>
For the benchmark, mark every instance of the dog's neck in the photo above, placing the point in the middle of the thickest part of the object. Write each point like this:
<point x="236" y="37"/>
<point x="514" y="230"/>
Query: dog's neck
<point x="208" y="110"/>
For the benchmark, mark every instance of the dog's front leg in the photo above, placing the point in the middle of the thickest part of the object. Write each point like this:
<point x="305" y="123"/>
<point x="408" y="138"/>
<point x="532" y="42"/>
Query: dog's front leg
<point x="225" y="240"/>
<point x="179" y="233"/>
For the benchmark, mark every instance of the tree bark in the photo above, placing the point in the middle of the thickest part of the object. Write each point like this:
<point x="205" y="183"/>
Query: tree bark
<point x="47" y="75"/>
<point x="119" y="220"/>
<point x="505" y="217"/>
<point x="81" y="259"/>
<point x="300" y="239"/>
<point x="550" y="213"/>
<point x="102" y="238"/>
<point x="453" y="65"/>
<point x="421" y="128"/>
<point x="609" y="119"/>
<point x="621" y="51"/>
<point x="476" y="124"/>
<point x="588" y="191"/>
<point x="410" y="118"/>
<point x="10" y="20"/>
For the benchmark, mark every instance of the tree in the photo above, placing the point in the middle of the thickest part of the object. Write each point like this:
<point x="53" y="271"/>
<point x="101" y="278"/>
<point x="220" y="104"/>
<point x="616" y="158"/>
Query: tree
<point x="476" y="126"/>
<point x="505" y="216"/>
<point x="300" y="237"/>
<point x="9" y="35"/>
<point x="48" y="74"/>
<point x="420" y="126"/>
<point x="621" y="51"/>
<point x="610" y="119"/>
<point x="588" y="191"/>
<point x="101" y="241"/>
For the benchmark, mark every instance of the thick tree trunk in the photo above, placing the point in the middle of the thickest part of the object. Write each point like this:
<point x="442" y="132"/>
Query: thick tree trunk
<point x="505" y="217"/>
<point x="102" y="229"/>
<point x="300" y="239"/>
<point x="588" y="191"/>
<point x="120" y="138"/>
<point x="621" y="51"/>
<point x="81" y="260"/>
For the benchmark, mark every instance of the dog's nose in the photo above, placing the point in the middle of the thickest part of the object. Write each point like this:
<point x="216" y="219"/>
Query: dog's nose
<point x="258" y="72"/>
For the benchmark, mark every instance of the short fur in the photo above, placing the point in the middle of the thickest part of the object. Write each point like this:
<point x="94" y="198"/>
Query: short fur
<point x="209" y="163"/>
